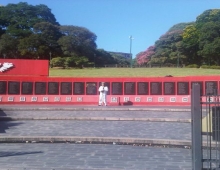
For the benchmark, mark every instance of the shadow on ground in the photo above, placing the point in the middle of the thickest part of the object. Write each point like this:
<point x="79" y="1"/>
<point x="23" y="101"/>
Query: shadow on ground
<point x="4" y="125"/>
<point x="2" y="113"/>
<point x="6" y="154"/>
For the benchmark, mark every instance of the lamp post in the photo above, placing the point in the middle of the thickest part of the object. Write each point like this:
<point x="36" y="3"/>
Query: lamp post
<point x="50" y="55"/>
<point x="50" y="59"/>
<point x="178" y="59"/>
<point x="130" y="37"/>
<point x="94" y="60"/>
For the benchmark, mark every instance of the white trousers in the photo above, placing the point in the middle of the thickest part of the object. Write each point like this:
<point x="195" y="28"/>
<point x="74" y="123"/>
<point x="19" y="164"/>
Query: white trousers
<point x="102" y="98"/>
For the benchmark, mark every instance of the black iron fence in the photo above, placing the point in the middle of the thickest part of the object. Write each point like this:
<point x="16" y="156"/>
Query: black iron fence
<point x="205" y="130"/>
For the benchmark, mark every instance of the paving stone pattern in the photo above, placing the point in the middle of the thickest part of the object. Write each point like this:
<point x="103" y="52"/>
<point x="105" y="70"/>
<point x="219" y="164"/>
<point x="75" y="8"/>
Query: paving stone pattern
<point x="90" y="113"/>
<point x="131" y="129"/>
<point x="91" y="157"/>
<point x="61" y="156"/>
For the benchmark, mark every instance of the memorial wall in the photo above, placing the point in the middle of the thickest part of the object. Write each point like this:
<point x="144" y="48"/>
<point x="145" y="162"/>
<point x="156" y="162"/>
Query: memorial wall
<point x="182" y="88"/>
<point x="115" y="88"/>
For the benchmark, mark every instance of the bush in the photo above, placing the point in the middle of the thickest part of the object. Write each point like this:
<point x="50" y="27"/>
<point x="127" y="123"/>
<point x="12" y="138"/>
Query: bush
<point x="215" y="67"/>
<point x="192" y="66"/>
<point x="210" y="67"/>
<point x="57" y="62"/>
<point x="205" y="66"/>
<point x="69" y="62"/>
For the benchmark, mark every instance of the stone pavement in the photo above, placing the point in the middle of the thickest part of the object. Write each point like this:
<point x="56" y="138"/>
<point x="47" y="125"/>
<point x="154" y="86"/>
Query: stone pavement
<point x="65" y="156"/>
<point x="94" y="137"/>
<point x="122" y="124"/>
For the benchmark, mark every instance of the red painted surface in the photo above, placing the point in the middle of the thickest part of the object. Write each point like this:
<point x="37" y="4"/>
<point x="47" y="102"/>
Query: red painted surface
<point x="26" y="67"/>
<point x="122" y="99"/>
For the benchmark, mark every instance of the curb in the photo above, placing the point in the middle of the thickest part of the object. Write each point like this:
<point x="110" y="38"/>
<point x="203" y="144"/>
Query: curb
<point x="93" y="109"/>
<point x="7" y="118"/>
<point x="104" y="140"/>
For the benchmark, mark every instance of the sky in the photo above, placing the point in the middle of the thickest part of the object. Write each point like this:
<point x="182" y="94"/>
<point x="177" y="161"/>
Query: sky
<point x="114" y="21"/>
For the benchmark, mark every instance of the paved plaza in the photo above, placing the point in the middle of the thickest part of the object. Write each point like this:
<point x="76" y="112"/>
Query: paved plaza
<point x="63" y="156"/>
<point x="32" y="130"/>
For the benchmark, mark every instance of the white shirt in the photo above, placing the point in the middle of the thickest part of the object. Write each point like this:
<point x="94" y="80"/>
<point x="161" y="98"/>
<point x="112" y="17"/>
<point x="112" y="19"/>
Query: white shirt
<point x="103" y="89"/>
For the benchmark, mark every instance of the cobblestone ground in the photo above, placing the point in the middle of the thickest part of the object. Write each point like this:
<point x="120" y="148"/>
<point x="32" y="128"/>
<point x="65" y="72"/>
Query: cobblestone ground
<point x="92" y="156"/>
<point x="131" y="129"/>
<point x="90" y="113"/>
<point x="69" y="156"/>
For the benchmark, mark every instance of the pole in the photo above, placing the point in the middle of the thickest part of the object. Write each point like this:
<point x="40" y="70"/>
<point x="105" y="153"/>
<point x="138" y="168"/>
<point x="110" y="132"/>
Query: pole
<point x="196" y="128"/>
<point x="50" y="60"/>
<point x="177" y="60"/>
<point x="50" y="55"/>
<point x="130" y="49"/>
<point x="94" y="60"/>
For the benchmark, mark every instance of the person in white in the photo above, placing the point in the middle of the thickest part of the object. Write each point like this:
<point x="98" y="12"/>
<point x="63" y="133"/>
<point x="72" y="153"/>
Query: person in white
<point x="103" y="90"/>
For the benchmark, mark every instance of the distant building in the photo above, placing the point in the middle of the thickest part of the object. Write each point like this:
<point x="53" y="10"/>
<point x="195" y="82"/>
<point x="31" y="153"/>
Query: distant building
<point x="121" y="54"/>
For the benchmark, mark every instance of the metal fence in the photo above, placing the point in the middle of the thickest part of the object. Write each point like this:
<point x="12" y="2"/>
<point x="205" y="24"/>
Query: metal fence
<point x="205" y="111"/>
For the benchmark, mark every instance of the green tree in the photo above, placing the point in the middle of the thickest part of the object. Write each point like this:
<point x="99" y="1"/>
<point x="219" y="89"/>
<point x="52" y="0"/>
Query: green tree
<point x="103" y="57"/>
<point x="211" y="52"/>
<point x="29" y="47"/>
<point x="167" y="50"/>
<point x="41" y="42"/>
<point x="208" y="26"/>
<point x="18" y="20"/>
<point x="190" y="45"/>
<point x="8" y="46"/>
<point x="2" y="22"/>
<point x="121" y="59"/>
<point x="208" y="41"/>
<point x="207" y="16"/>
<point x="77" y="41"/>
<point x="57" y="62"/>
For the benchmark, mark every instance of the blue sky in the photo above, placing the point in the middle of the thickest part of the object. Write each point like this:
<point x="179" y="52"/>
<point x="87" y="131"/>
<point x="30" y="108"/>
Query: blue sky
<point x="113" y="21"/>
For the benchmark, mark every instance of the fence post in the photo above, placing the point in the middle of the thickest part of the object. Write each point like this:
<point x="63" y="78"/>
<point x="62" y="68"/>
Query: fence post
<point x="196" y="125"/>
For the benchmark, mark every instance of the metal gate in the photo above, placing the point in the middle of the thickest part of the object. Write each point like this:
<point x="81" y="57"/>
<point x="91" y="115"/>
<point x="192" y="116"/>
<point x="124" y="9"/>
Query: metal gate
<point x="205" y="115"/>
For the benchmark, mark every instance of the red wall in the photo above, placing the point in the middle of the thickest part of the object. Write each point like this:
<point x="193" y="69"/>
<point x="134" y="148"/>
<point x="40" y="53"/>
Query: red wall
<point x="122" y="99"/>
<point x="34" y="71"/>
<point x="26" y="67"/>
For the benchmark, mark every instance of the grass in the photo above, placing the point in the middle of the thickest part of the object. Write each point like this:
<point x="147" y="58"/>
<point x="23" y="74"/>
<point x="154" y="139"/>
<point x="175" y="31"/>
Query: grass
<point x="132" y="72"/>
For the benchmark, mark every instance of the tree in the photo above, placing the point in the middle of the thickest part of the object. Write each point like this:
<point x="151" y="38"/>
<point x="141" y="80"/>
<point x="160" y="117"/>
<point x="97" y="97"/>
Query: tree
<point x="120" y="58"/>
<point x="57" y="62"/>
<point x="18" y="20"/>
<point x="166" y="48"/>
<point x="208" y="40"/>
<point x="2" y="22"/>
<point x="180" y="26"/>
<point x="169" y="49"/>
<point x="77" y="41"/>
<point x="8" y="46"/>
<point x="211" y="52"/>
<point x="144" y="57"/>
<point x="208" y="26"/>
<point x="207" y="16"/>
<point x="103" y="57"/>
<point x="190" y="45"/>
<point x="29" y="47"/>
<point x="41" y="42"/>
